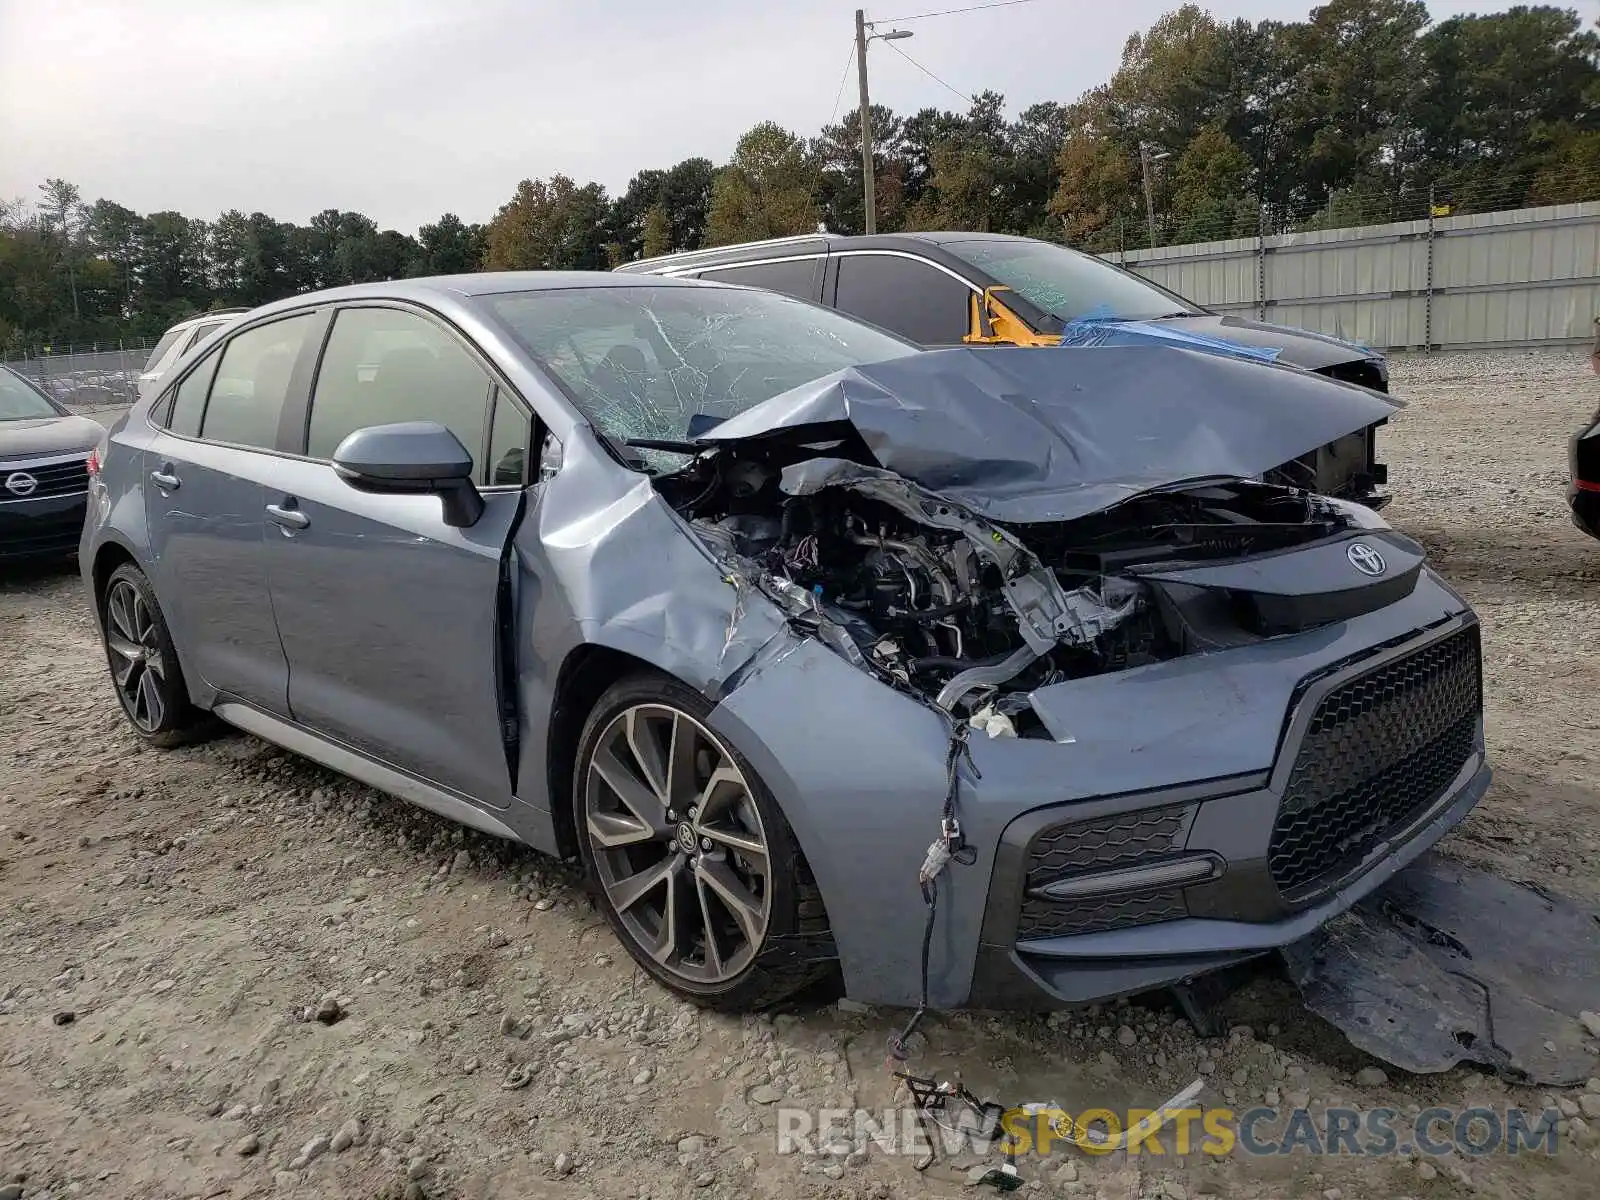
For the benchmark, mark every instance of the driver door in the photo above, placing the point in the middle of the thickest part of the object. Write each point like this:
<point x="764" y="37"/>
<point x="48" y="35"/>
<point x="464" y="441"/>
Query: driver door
<point x="389" y="617"/>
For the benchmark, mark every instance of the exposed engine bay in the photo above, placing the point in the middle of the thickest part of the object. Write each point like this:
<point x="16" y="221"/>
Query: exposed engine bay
<point x="971" y="614"/>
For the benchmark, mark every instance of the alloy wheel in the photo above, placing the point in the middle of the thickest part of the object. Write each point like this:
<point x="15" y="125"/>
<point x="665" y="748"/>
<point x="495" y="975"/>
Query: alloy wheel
<point x="138" y="667"/>
<point x="678" y="843"/>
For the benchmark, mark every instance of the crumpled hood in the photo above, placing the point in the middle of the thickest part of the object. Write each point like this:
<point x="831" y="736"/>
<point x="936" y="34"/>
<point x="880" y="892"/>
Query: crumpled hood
<point x="1025" y="435"/>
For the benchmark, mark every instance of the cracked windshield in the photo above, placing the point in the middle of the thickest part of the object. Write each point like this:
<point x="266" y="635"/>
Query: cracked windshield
<point x="1070" y="285"/>
<point x="668" y="363"/>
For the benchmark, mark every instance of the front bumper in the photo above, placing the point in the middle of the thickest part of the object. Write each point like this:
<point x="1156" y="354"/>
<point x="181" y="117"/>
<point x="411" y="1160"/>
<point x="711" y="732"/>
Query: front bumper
<point x="1202" y="749"/>
<point x="41" y="528"/>
<point x="1380" y="758"/>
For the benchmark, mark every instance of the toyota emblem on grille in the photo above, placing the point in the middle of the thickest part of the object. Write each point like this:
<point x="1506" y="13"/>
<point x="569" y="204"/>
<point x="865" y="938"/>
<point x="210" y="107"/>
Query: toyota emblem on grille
<point x="20" y="483"/>
<point x="1365" y="559"/>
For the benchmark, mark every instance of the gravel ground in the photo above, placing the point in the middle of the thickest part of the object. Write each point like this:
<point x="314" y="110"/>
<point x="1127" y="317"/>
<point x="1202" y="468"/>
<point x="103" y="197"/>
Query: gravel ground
<point x="226" y="972"/>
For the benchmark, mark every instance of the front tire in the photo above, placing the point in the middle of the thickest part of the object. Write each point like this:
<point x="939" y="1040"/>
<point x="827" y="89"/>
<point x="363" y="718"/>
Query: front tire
<point x="689" y="856"/>
<point x="144" y="663"/>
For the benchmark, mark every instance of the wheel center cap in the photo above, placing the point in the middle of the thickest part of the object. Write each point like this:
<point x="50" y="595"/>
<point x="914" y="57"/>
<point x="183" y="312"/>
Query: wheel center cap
<point x="687" y="842"/>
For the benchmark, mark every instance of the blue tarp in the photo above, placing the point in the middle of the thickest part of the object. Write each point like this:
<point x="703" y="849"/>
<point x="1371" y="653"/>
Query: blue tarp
<point x="1102" y="327"/>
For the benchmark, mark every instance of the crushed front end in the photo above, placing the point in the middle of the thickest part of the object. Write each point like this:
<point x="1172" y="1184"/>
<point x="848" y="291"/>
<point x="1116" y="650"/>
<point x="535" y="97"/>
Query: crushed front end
<point x="1204" y="712"/>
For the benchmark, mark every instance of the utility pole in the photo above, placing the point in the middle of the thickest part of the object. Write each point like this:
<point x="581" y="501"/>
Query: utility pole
<point x="1147" y="160"/>
<point x="869" y="188"/>
<point x="1149" y="197"/>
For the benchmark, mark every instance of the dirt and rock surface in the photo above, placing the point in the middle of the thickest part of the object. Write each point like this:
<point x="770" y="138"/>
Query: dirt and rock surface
<point x="225" y="972"/>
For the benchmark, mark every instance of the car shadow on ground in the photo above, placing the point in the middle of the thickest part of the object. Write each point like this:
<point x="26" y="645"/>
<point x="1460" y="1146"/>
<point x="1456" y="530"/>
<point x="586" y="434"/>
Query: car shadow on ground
<point x="29" y="573"/>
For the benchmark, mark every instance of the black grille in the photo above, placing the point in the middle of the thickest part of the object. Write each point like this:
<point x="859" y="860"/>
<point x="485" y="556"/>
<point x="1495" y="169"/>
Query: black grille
<point x="57" y="479"/>
<point x="1101" y="844"/>
<point x="1047" y="918"/>
<point x="1380" y="750"/>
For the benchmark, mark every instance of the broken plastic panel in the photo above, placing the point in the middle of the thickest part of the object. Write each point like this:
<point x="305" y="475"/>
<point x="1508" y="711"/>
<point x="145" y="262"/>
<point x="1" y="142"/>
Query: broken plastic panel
<point x="1448" y="964"/>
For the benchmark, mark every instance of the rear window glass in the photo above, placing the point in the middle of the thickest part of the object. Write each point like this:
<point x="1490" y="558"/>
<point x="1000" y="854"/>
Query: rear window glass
<point x="168" y="340"/>
<point x="797" y="277"/>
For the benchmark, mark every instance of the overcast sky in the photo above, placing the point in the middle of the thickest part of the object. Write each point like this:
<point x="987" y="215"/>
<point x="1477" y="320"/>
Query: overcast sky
<point x="404" y="109"/>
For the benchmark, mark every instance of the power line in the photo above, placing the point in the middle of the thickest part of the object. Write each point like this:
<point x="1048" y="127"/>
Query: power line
<point x="929" y="73"/>
<point x="950" y="12"/>
<point x="844" y="75"/>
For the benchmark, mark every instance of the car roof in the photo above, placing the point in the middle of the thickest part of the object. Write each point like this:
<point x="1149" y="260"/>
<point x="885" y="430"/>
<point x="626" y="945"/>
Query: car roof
<point x="482" y="283"/>
<point x="812" y="243"/>
<point x="201" y="318"/>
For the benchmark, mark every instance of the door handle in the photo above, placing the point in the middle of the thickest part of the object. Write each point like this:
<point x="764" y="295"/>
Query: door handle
<point x="289" y="518"/>
<point x="164" y="478"/>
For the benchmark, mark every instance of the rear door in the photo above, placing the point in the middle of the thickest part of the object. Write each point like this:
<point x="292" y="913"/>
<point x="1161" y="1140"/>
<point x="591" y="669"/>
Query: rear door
<point x="903" y="294"/>
<point x="389" y="617"/>
<point x="797" y="277"/>
<point x="205" y="495"/>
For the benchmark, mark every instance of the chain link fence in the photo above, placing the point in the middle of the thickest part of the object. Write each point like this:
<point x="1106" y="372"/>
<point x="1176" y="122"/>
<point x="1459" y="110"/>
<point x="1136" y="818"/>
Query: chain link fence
<point x="101" y="375"/>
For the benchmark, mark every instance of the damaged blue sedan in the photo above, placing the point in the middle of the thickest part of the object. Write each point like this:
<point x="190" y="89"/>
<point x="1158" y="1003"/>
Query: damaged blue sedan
<point x="976" y="677"/>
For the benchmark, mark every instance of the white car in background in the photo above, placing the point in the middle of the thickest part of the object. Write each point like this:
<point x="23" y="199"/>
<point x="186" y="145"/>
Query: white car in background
<point x="186" y="333"/>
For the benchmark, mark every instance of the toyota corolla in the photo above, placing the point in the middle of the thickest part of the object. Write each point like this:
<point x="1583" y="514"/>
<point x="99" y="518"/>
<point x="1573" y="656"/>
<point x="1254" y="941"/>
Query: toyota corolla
<point x="806" y="642"/>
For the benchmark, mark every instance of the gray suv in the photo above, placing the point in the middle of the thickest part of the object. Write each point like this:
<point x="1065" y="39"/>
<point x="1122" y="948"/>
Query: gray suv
<point x="808" y="643"/>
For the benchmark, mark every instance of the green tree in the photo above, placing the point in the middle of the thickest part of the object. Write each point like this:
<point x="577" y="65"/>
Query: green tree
<point x="116" y="235"/>
<point x="657" y="231"/>
<point x="549" y="226"/>
<point x="1211" y="190"/>
<point x="1503" y="97"/>
<point x="767" y="189"/>
<point x="449" y="247"/>
<point x="1097" y="187"/>
<point x="1571" y="172"/>
<point x="61" y="221"/>
<point x="1358" y="70"/>
<point x="970" y="173"/>
<point x="836" y="151"/>
<point x="1034" y="143"/>
<point x="1174" y="79"/>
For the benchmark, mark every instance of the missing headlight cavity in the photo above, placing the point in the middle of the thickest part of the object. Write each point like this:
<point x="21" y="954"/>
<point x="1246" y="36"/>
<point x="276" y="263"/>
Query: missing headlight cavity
<point x="968" y="613"/>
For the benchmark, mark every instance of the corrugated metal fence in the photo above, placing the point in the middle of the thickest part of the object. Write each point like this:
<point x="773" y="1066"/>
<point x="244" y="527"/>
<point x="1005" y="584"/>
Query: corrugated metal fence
<point x="1528" y="277"/>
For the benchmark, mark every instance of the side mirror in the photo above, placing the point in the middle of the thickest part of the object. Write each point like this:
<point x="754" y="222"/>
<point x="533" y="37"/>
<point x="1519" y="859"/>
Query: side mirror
<point x="412" y="458"/>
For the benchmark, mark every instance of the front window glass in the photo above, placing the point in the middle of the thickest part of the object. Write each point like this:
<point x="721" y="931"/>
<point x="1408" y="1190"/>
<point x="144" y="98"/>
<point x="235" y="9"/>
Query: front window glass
<point x="384" y="365"/>
<point x="644" y="362"/>
<point x="20" y="402"/>
<point x="1067" y="284"/>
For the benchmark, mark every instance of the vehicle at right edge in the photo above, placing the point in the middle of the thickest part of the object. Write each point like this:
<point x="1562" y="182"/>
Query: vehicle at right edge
<point x="1583" y="491"/>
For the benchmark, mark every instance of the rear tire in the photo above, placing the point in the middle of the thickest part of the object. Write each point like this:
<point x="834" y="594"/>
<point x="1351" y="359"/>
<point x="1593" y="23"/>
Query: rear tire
<point x="145" y="671"/>
<point x="689" y="856"/>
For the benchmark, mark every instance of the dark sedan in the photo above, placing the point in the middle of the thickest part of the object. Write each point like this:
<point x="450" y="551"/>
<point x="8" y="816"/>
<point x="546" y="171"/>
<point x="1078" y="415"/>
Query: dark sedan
<point x="1583" y="456"/>
<point x="44" y="471"/>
